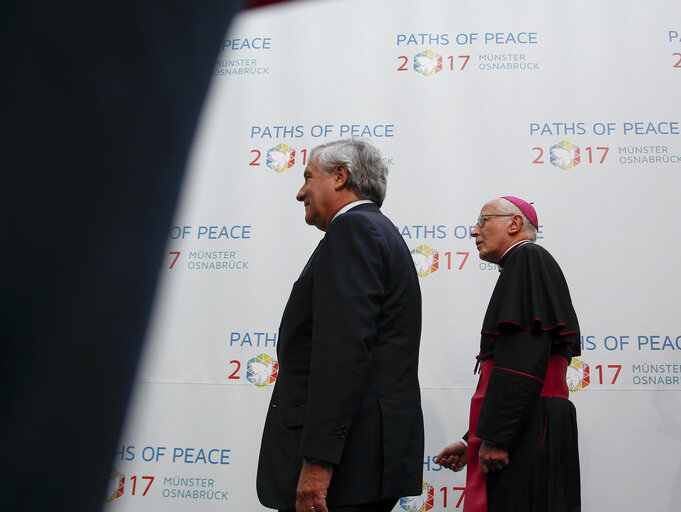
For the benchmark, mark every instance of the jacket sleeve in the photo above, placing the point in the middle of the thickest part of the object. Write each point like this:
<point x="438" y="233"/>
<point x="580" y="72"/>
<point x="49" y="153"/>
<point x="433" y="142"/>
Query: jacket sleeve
<point x="348" y="290"/>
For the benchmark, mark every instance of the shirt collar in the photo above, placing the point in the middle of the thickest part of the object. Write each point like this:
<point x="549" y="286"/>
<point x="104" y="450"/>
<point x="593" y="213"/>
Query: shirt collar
<point x="349" y="206"/>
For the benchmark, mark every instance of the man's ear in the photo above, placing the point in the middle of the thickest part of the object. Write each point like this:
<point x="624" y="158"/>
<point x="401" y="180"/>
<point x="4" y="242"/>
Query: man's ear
<point x="342" y="176"/>
<point x="516" y="224"/>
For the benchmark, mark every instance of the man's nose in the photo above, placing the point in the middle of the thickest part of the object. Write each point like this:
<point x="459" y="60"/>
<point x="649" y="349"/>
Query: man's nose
<point x="300" y="196"/>
<point x="475" y="231"/>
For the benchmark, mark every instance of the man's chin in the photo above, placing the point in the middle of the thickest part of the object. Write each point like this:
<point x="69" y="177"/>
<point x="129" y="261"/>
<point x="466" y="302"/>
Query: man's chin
<point x="485" y="257"/>
<point x="315" y="223"/>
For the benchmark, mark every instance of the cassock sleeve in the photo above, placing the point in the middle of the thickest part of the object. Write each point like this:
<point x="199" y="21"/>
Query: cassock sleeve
<point x="519" y="368"/>
<point x="348" y="291"/>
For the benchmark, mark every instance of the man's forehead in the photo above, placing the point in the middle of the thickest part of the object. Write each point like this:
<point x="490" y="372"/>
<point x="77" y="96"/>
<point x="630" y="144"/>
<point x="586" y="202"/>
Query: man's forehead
<point x="490" y="207"/>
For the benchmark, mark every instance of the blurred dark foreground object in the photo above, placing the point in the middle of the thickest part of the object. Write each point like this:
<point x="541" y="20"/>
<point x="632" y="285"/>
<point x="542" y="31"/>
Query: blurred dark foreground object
<point x="99" y="106"/>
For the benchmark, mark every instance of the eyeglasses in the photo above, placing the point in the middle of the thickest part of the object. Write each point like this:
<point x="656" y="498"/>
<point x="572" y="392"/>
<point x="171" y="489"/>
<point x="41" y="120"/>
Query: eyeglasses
<point x="481" y="219"/>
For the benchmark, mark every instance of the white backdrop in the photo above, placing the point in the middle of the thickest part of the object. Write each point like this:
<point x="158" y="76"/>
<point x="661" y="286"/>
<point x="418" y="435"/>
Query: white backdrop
<point x="572" y="105"/>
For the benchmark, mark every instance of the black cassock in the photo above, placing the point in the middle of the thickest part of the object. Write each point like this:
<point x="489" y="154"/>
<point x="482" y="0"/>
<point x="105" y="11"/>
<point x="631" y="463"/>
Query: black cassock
<point x="529" y="335"/>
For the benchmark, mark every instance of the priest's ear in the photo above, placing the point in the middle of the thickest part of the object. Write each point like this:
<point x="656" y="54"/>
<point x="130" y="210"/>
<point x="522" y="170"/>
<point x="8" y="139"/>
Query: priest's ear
<point x="516" y="225"/>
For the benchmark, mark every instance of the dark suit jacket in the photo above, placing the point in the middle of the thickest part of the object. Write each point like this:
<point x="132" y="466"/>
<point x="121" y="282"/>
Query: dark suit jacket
<point x="347" y="390"/>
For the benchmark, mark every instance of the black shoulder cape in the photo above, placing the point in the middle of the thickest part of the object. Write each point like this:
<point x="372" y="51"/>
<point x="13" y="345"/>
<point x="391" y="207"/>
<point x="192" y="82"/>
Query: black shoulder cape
<point x="531" y="295"/>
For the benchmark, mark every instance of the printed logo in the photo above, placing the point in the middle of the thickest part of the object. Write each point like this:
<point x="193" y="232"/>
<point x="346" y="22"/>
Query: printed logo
<point x="427" y="62"/>
<point x="281" y="157"/>
<point x="565" y="155"/>
<point x="421" y="503"/>
<point x="262" y="370"/>
<point x="426" y="260"/>
<point x="116" y="485"/>
<point x="578" y="375"/>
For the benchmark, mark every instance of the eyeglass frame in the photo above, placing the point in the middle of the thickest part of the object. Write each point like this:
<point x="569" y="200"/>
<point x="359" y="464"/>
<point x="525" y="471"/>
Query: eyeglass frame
<point x="482" y="217"/>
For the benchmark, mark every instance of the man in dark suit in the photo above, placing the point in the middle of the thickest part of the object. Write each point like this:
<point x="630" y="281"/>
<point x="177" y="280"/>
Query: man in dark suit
<point x="344" y="430"/>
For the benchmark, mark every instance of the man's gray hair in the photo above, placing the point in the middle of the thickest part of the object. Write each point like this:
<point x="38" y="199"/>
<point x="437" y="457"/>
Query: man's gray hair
<point x="367" y="172"/>
<point x="507" y="207"/>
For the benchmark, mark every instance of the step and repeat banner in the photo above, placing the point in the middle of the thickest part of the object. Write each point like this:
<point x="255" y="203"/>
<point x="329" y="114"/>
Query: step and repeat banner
<point x="574" y="106"/>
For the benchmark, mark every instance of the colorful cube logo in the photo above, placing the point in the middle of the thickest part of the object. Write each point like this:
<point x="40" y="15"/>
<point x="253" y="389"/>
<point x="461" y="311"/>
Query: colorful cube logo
<point x="116" y="485"/>
<point x="281" y="157"/>
<point x="565" y="155"/>
<point x="262" y="370"/>
<point x="426" y="260"/>
<point x="427" y="63"/>
<point x="577" y="375"/>
<point x="421" y="503"/>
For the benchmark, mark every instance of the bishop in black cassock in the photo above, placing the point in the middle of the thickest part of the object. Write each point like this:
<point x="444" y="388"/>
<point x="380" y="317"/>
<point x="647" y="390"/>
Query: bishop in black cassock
<point x="521" y="452"/>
